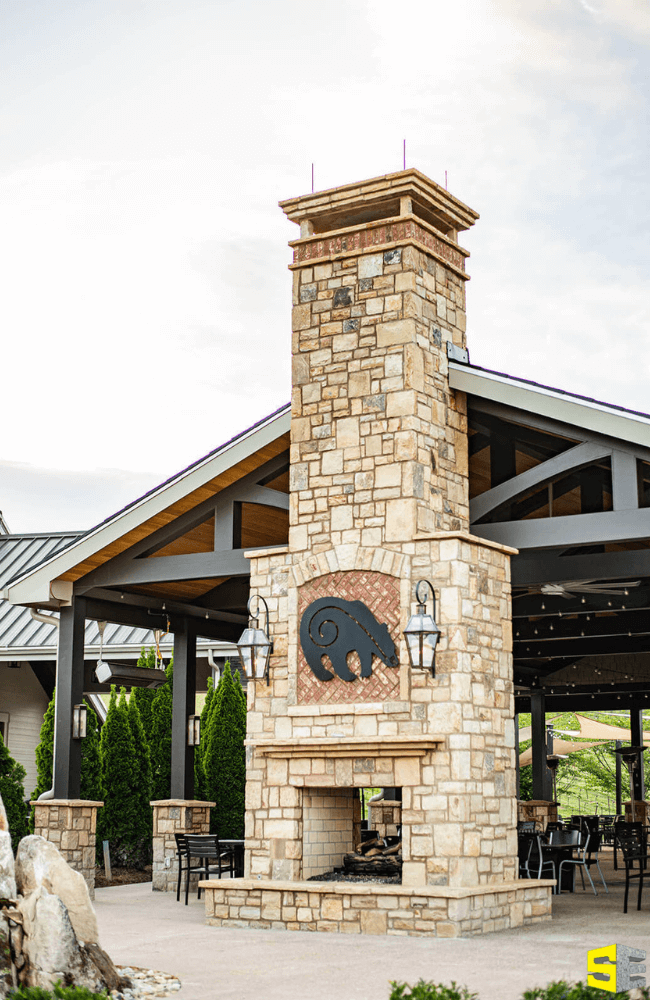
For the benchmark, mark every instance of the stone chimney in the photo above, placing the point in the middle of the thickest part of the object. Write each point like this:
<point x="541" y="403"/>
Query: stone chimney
<point x="379" y="443"/>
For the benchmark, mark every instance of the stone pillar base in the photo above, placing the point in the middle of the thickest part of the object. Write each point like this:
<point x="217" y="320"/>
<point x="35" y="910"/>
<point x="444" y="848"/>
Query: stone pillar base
<point x="641" y="811"/>
<point x="70" y="824"/>
<point x="172" y="816"/>
<point x="540" y="810"/>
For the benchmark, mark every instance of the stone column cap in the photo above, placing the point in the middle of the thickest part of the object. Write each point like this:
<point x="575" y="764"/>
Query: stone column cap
<point x="181" y="802"/>
<point x="65" y="802"/>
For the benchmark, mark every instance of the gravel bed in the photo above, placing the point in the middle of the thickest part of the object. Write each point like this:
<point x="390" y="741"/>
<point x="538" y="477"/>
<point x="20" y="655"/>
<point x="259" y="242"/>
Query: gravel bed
<point x="146" y="983"/>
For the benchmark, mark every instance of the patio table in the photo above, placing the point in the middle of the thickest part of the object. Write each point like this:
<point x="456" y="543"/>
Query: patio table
<point x="238" y="850"/>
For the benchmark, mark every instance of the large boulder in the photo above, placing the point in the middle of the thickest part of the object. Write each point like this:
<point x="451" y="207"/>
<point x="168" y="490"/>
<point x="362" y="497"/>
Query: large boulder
<point x="7" y="875"/>
<point x="6" y="973"/>
<point x="39" y="864"/>
<point x="50" y="949"/>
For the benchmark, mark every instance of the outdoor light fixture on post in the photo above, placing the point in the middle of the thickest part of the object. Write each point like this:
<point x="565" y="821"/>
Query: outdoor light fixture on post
<point x="422" y="633"/>
<point x="631" y="756"/>
<point x="79" y="722"/>
<point x="254" y="645"/>
<point x="193" y="730"/>
<point x="552" y="762"/>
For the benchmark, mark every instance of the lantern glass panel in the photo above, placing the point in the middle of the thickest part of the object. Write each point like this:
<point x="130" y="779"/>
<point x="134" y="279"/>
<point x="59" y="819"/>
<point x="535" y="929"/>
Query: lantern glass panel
<point x="421" y="636"/>
<point x="254" y="649"/>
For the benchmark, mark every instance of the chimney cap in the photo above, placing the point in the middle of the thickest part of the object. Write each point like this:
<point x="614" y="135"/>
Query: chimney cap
<point x="406" y="192"/>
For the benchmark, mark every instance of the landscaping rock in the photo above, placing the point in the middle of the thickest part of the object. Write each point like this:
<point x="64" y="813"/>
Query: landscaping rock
<point x="7" y="872"/>
<point x="39" y="863"/>
<point x="50" y="948"/>
<point x="6" y="974"/>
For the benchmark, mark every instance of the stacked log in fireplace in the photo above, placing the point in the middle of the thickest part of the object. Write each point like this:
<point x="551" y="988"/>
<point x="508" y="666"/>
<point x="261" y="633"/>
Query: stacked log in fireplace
<point x="375" y="856"/>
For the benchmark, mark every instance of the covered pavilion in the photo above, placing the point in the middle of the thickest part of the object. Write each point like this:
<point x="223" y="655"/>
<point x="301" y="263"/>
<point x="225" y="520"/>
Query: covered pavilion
<point x="560" y="481"/>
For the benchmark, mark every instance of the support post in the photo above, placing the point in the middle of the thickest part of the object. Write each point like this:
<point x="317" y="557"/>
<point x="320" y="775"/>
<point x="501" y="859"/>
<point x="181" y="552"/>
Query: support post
<point x="541" y="772"/>
<point x="517" y="768"/>
<point x="619" y="797"/>
<point x="636" y="732"/>
<point x="69" y="692"/>
<point x="183" y="704"/>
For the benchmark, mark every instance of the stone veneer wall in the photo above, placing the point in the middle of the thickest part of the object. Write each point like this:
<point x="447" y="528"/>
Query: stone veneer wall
<point x="458" y="800"/>
<point x="172" y="816"/>
<point x="329" y="816"/>
<point x="376" y="909"/>
<point x="71" y="825"/>
<point x="386" y="817"/>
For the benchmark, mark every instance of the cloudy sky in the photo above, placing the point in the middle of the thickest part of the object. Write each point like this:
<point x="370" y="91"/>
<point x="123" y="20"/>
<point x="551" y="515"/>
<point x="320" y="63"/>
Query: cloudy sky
<point x="145" y="302"/>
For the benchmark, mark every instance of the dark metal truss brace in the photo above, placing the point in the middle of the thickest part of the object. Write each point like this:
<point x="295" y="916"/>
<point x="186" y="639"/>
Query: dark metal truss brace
<point x="134" y="567"/>
<point x="626" y="522"/>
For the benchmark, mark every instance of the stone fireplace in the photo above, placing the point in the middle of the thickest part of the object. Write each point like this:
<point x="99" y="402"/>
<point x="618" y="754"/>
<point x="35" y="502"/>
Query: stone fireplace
<point x="379" y="500"/>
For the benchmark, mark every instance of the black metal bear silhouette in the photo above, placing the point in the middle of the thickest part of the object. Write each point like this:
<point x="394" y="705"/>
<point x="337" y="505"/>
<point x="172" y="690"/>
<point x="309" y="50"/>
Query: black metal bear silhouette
<point x="335" y="627"/>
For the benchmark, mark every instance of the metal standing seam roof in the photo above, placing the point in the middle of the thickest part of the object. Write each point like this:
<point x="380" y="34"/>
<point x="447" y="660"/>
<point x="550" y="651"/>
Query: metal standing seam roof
<point x="19" y="631"/>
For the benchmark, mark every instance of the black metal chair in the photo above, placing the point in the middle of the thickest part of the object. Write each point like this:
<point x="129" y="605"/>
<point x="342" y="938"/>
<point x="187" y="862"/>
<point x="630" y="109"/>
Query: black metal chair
<point x="587" y="858"/>
<point x="527" y="826"/>
<point x="621" y="827"/>
<point x="536" y="862"/>
<point x="212" y="859"/>
<point x="633" y="850"/>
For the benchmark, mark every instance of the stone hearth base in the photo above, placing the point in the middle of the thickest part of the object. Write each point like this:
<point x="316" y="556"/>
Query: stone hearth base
<point x="422" y="911"/>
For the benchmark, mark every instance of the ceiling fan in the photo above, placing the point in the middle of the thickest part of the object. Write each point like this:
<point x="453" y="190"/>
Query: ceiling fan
<point x="575" y="587"/>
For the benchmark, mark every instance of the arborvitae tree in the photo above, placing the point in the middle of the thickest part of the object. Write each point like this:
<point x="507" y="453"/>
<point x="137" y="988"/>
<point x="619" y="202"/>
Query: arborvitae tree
<point x="91" y="758"/>
<point x="45" y="751"/>
<point x="117" y="820"/>
<point x="224" y="758"/>
<point x="12" y="793"/>
<point x="161" y="738"/>
<point x="199" y="752"/>
<point x="145" y="696"/>
<point x="141" y="783"/>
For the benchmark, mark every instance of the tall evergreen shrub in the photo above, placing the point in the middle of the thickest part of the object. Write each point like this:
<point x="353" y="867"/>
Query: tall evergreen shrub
<point x="140" y="783"/>
<point x="161" y="738"/>
<point x="12" y="793"/>
<point x="45" y="751"/>
<point x="200" y="792"/>
<point x="224" y="758"/>
<point x="145" y="696"/>
<point x="117" y="821"/>
<point x="91" y="763"/>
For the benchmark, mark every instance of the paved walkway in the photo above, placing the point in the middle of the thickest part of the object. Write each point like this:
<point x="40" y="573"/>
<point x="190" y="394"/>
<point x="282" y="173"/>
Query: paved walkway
<point x="140" y="927"/>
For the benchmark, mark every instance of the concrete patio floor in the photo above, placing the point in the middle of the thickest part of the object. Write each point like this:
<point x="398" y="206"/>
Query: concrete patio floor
<point x="140" y="927"/>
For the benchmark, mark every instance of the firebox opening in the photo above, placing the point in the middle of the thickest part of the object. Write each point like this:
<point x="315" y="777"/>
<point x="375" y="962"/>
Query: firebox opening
<point x="352" y="835"/>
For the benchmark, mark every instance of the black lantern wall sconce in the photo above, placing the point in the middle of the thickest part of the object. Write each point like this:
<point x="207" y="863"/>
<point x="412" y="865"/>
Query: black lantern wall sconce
<point x="422" y="633"/>
<point x="79" y="722"/>
<point x="193" y="730"/>
<point x="254" y="645"/>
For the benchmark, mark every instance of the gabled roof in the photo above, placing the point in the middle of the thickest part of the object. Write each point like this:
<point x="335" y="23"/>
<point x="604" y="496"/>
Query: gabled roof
<point x="81" y="553"/>
<point x="556" y="404"/>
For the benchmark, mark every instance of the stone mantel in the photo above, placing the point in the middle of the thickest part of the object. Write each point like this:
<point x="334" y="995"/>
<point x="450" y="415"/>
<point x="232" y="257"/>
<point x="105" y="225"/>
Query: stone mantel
<point x="348" y="746"/>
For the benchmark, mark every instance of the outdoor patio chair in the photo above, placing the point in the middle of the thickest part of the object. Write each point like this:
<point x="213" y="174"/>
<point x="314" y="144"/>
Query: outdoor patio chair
<point x="633" y="851"/>
<point x="621" y="827"/>
<point x="536" y="862"/>
<point x="587" y="856"/>
<point x="212" y="859"/>
<point x="527" y="826"/>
